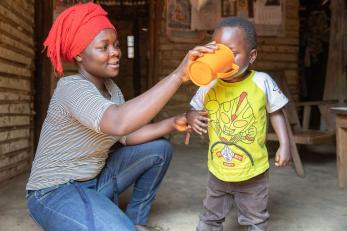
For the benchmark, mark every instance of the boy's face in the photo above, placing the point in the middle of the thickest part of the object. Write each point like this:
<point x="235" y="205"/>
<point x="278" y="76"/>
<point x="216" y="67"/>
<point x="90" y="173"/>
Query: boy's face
<point x="235" y="39"/>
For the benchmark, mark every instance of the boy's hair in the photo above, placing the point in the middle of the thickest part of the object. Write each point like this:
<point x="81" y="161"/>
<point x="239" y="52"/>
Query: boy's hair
<point x="243" y="24"/>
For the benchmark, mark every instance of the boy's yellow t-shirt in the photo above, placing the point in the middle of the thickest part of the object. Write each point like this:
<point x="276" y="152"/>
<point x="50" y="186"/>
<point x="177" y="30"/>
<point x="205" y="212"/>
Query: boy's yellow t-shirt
<point x="237" y="124"/>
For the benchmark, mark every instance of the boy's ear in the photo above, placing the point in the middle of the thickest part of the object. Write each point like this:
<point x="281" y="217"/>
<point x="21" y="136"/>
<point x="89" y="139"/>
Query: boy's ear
<point x="252" y="55"/>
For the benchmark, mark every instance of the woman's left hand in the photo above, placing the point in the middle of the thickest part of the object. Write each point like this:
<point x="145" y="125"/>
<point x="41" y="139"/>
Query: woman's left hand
<point x="181" y="123"/>
<point x="192" y="55"/>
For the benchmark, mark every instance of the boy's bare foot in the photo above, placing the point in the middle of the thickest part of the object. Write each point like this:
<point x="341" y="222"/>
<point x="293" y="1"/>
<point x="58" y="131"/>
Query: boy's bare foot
<point x="142" y="228"/>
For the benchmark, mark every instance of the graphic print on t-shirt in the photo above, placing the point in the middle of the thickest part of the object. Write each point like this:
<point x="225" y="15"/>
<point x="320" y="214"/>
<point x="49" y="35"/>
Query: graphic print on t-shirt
<point x="233" y="122"/>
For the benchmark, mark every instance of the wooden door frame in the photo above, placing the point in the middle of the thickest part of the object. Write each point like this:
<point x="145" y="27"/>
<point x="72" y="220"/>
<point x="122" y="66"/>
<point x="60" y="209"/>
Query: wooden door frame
<point x="155" y="14"/>
<point x="43" y="69"/>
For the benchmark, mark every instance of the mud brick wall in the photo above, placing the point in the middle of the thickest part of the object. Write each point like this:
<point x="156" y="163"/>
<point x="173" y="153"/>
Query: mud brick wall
<point x="16" y="86"/>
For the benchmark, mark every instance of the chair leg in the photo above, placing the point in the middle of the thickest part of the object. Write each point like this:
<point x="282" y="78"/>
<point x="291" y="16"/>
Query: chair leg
<point x="293" y="148"/>
<point x="296" y="159"/>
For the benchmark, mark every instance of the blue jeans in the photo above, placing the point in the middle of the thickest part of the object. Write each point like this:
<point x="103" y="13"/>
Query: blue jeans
<point x="82" y="205"/>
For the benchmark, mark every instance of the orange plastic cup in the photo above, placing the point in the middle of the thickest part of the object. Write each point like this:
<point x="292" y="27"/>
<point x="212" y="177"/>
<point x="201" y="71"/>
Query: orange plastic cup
<point x="210" y="66"/>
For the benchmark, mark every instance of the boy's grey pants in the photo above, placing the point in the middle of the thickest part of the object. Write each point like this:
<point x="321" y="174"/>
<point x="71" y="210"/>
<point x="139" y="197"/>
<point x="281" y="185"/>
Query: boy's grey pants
<point x="250" y="197"/>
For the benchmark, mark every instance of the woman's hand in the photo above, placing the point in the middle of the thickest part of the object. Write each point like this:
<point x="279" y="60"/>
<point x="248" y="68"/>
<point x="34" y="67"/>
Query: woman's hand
<point x="282" y="156"/>
<point x="198" y="121"/>
<point x="192" y="55"/>
<point x="181" y="123"/>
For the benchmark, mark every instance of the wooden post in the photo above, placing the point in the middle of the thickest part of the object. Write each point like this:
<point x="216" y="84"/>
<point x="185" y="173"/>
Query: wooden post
<point x="341" y="136"/>
<point x="335" y="80"/>
<point x="155" y="19"/>
<point x="154" y="26"/>
<point x="137" y="58"/>
<point x="341" y="145"/>
<point x="293" y="148"/>
<point x="43" y="22"/>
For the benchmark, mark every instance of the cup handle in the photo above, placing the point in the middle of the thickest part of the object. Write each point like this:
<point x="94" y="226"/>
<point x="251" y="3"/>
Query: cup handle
<point x="234" y="69"/>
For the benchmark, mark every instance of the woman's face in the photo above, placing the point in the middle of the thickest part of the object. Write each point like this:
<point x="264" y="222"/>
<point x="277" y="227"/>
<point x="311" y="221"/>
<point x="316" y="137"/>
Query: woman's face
<point x="101" y="57"/>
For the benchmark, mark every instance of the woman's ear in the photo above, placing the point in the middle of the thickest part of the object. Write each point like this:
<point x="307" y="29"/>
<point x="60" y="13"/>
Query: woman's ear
<point x="78" y="58"/>
<point x="252" y="55"/>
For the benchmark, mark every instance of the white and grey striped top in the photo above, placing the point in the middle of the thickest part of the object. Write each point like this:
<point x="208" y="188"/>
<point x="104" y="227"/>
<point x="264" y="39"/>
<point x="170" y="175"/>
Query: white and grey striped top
<point x="71" y="145"/>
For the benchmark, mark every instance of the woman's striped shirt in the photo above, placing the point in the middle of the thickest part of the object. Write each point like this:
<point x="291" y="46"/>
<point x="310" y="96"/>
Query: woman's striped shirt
<point x="71" y="145"/>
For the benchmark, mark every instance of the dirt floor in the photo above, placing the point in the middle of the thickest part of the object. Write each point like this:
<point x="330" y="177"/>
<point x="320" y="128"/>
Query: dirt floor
<point x="313" y="203"/>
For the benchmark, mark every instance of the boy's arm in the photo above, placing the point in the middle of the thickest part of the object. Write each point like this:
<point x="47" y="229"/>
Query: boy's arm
<point x="278" y="123"/>
<point x="156" y="130"/>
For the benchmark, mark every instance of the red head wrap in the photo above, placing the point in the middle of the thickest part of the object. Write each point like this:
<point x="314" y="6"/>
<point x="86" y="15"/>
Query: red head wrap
<point x="73" y="30"/>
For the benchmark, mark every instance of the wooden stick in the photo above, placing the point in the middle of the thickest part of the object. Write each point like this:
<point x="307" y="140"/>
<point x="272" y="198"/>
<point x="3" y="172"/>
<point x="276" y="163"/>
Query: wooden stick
<point x="187" y="139"/>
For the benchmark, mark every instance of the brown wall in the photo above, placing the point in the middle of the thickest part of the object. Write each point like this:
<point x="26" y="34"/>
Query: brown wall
<point x="276" y="55"/>
<point x="16" y="82"/>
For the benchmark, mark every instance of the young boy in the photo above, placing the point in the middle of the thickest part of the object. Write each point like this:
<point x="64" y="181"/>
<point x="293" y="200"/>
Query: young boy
<point x="234" y="111"/>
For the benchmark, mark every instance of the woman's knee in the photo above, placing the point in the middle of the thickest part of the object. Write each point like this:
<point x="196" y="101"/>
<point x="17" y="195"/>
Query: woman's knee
<point x="163" y="148"/>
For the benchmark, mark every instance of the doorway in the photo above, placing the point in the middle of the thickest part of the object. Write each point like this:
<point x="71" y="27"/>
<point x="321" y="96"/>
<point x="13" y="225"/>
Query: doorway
<point x="313" y="52"/>
<point x="132" y="24"/>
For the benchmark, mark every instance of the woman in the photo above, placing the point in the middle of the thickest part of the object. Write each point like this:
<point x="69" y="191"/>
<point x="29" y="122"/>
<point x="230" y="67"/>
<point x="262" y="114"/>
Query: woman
<point x="76" y="178"/>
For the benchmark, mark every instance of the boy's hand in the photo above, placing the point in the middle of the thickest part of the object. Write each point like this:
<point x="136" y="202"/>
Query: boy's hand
<point x="282" y="156"/>
<point x="198" y="121"/>
<point x="278" y="123"/>
<point x="192" y="55"/>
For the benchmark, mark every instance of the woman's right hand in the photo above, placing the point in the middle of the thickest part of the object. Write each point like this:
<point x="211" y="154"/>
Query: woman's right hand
<point x="198" y="121"/>
<point x="192" y="55"/>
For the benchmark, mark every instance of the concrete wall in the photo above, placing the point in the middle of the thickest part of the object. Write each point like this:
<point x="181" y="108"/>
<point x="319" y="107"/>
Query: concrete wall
<point x="16" y="83"/>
